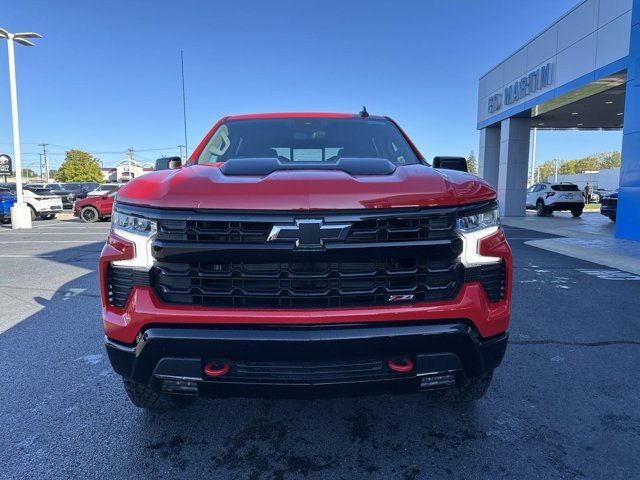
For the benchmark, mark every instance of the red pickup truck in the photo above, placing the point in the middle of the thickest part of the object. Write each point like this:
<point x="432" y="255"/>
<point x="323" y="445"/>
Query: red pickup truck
<point x="305" y="254"/>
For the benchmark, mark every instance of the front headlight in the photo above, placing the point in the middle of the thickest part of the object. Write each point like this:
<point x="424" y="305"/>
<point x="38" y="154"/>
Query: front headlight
<point x="138" y="230"/>
<point x="133" y="224"/>
<point x="473" y="227"/>
<point x="479" y="221"/>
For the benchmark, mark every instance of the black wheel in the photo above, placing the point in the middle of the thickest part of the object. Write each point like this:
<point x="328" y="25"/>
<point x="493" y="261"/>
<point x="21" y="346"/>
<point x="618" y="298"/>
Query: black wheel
<point x="474" y="389"/>
<point x="33" y="213"/>
<point x="541" y="210"/>
<point x="144" y="397"/>
<point x="612" y="218"/>
<point x="89" y="215"/>
<point x="49" y="216"/>
<point x="5" y="220"/>
<point x="576" y="212"/>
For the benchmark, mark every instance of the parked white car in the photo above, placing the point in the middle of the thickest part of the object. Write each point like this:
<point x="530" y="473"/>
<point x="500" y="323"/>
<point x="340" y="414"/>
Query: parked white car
<point x="546" y="198"/>
<point x="104" y="189"/>
<point x="43" y="203"/>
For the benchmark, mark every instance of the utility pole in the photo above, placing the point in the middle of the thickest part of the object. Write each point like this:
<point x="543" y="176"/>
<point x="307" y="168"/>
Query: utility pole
<point x="130" y="157"/>
<point x="46" y="160"/>
<point x="556" y="162"/>
<point x="181" y="154"/>
<point x="40" y="167"/>
<point x="184" y="103"/>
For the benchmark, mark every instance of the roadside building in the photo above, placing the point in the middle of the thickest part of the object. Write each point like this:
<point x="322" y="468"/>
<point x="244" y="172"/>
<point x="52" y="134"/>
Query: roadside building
<point x="581" y="72"/>
<point x="126" y="170"/>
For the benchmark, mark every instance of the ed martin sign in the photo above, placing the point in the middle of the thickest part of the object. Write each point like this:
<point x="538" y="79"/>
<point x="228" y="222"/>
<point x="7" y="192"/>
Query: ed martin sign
<point x="537" y="80"/>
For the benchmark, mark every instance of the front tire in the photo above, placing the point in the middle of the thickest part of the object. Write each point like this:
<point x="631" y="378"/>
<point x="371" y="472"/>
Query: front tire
<point x="33" y="213"/>
<point x="541" y="210"/>
<point x="576" y="212"/>
<point x="142" y="396"/>
<point x="89" y="215"/>
<point x="474" y="389"/>
<point x="50" y="216"/>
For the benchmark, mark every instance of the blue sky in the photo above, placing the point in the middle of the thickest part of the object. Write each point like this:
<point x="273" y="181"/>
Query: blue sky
<point x="106" y="75"/>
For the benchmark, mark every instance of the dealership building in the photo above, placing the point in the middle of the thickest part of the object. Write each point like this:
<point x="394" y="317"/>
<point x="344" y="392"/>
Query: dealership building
<point x="581" y="72"/>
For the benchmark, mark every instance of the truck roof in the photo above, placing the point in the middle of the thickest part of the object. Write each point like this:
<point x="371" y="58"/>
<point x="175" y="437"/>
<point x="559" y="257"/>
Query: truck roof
<point x="252" y="116"/>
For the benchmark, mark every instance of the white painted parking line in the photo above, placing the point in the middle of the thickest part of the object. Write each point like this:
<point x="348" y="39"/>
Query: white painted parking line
<point x="67" y="233"/>
<point x="46" y="241"/>
<point x="26" y="256"/>
<point x="610" y="274"/>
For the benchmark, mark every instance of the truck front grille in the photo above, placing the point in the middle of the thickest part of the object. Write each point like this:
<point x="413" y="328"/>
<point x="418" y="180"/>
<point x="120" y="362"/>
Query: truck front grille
<point x="376" y="258"/>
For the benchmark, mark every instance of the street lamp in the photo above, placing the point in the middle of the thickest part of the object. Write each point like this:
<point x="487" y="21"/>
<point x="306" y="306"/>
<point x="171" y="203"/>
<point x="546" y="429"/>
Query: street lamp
<point x="20" y="212"/>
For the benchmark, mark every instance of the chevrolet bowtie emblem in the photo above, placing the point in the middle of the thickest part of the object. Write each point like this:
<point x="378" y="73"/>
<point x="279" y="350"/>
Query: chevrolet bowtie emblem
<point x="309" y="233"/>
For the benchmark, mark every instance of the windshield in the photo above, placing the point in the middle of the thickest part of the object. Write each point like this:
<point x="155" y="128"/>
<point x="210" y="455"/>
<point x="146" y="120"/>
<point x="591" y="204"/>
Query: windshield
<point x="308" y="140"/>
<point x="565" y="187"/>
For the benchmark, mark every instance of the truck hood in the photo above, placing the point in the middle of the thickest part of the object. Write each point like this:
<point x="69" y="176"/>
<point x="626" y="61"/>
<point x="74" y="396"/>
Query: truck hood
<point x="206" y="187"/>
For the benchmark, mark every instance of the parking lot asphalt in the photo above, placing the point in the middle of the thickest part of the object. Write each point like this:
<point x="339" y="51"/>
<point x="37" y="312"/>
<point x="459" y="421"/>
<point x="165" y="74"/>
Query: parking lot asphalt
<point x="564" y="404"/>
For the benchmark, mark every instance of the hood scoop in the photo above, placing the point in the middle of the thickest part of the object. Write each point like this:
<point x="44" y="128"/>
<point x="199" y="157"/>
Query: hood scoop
<point x="261" y="167"/>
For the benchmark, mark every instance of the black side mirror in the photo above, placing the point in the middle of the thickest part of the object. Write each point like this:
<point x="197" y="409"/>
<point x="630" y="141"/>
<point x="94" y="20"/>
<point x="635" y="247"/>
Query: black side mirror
<point x="451" y="163"/>
<point x="168" y="163"/>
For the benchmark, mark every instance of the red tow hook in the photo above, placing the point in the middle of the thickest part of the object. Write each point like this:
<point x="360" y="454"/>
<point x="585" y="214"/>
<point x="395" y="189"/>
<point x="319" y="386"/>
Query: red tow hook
<point x="216" y="368"/>
<point x="402" y="365"/>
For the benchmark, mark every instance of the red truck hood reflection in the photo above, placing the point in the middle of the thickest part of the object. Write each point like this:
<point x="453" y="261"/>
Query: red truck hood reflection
<point x="205" y="186"/>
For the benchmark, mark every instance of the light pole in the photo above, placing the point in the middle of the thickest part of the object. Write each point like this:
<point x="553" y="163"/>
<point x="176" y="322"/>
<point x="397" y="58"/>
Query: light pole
<point x="533" y="154"/>
<point x="20" y="212"/>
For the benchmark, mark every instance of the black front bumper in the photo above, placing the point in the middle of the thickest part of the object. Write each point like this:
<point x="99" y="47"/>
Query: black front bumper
<point x="559" y="206"/>
<point x="304" y="361"/>
<point x="608" y="211"/>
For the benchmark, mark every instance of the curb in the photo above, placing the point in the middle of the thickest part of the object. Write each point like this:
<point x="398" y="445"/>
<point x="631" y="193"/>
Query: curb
<point x="593" y="255"/>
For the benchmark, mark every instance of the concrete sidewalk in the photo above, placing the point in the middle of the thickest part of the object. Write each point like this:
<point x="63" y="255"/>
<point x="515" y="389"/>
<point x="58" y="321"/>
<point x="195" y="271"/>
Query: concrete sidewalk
<point x="589" y="237"/>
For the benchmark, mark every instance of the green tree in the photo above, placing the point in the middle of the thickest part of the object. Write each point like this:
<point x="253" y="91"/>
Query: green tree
<point x="79" y="166"/>
<point x="28" y="173"/>
<point x="544" y="170"/>
<point x="472" y="163"/>
<point x="609" y="159"/>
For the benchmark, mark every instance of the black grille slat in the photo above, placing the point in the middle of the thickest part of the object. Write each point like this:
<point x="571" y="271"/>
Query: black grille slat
<point x="359" y="369"/>
<point x="491" y="276"/>
<point x="397" y="229"/>
<point x="120" y="282"/>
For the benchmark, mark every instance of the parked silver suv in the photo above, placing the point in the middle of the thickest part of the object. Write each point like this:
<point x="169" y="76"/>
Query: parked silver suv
<point x="546" y="198"/>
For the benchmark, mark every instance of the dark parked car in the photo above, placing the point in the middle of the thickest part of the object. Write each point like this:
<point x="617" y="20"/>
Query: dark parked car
<point x="609" y="205"/>
<point x="70" y="192"/>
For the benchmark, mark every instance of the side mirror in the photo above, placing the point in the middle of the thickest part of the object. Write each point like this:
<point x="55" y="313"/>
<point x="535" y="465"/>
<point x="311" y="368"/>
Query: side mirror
<point x="451" y="163"/>
<point x="168" y="163"/>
